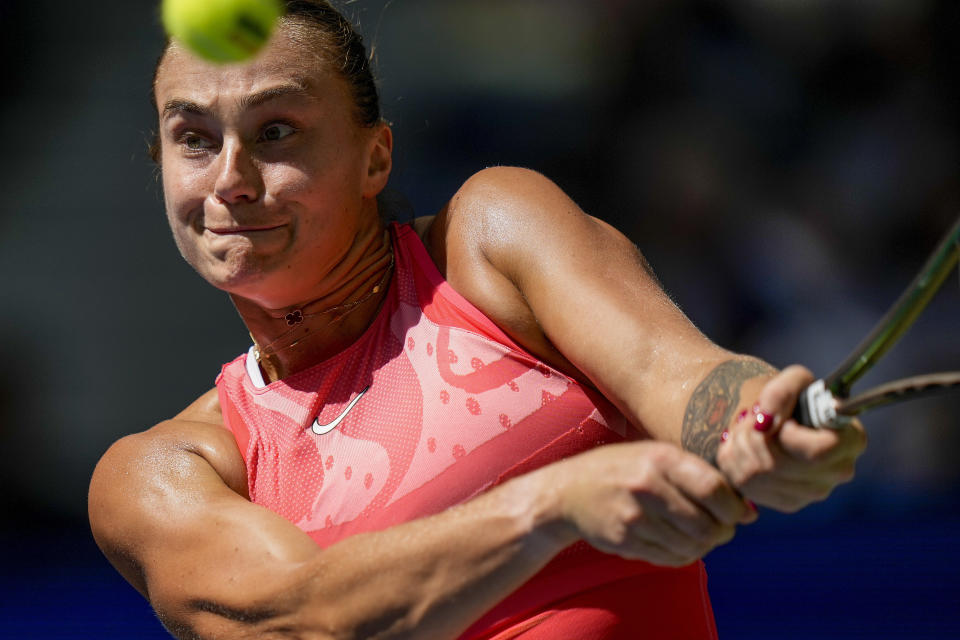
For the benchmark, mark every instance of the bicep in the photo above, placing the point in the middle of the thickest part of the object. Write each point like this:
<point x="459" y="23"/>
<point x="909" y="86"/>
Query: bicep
<point x="198" y="550"/>
<point x="593" y="296"/>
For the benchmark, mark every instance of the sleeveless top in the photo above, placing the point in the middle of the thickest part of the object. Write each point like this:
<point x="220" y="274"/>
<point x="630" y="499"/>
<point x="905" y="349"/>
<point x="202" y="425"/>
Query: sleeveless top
<point x="431" y="406"/>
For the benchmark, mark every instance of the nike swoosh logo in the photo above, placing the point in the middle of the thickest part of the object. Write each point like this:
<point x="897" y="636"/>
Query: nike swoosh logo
<point x="321" y="429"/>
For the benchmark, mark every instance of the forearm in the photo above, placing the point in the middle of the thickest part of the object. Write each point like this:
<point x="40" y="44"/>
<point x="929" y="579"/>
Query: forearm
<point x="716" y="400"/>
<point x="432" y="578"/>
<point x="214" y="565"/>
<point x="593" y="296"/>
<point x="429" y="578"/>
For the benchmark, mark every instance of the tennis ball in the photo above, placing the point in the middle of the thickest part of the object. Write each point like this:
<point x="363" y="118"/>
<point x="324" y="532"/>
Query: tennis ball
<point x="221" y="30"/>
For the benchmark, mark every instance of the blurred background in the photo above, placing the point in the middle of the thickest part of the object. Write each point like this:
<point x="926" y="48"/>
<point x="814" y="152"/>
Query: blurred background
<point x="785" y="165"/>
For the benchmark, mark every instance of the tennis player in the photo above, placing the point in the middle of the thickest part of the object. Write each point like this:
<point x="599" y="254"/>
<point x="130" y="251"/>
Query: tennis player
<point x="489" y="423"/>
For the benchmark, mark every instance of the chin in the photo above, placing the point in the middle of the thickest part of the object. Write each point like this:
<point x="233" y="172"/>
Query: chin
<point x="236" y="272"/>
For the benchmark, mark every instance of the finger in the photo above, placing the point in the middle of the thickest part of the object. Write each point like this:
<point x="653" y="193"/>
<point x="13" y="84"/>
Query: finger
<point x="822" y="446"/>
<point x="640" y="549"/>
<point x="788" y="496"/>
<point x="676" y="535"/>
<point x="706" y="489"/>
<point x="678" y="525"/>
<point x="747" y="454"/>
<point x="797" y="454"/>
<point x="779" y="396"/>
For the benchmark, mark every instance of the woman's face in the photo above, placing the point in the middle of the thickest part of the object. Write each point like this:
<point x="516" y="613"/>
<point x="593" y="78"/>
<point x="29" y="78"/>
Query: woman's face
<point x="267" y="177"/>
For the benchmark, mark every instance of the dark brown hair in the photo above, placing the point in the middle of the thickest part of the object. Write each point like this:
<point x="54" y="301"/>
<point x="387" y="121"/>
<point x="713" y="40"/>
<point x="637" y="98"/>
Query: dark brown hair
<point x="316" y="24"/>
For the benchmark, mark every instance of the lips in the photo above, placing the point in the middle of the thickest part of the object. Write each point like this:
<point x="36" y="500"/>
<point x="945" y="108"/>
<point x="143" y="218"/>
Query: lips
<point x="240" y="229"/>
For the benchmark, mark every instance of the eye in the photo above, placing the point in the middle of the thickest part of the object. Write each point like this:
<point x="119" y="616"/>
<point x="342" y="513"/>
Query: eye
<point x="276" y="131"/>
<point x="195" y="142"/>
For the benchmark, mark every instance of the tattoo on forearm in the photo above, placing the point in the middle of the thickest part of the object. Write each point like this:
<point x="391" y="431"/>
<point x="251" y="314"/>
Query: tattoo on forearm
<point x="713" y="403"/>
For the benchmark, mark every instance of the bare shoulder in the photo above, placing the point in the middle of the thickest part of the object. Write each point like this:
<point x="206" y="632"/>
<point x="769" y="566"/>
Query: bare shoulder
<point x="489" y="202"/>
<point x="504" y="214"/>
<point x="140" y="475"/>
<point x="496" y="220"/>
<point x="198" y="429"/>
<point x="423" y="226"/>
<point x="205" y="409"/>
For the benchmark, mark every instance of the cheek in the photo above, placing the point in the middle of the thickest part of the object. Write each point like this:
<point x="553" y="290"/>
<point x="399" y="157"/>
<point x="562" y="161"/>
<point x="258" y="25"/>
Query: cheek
<point x="318" y="172"/>
<point x="287" y="182"/>
<point x="322" y="201"/>
<point x="183" y="202"/>
<point x="183" y="192"/>
<point x="185" y="240"/>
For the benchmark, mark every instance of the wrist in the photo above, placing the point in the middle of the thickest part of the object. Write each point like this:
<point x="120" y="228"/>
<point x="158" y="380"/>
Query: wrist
<point x="720" y="396"/>
<point x="543" y="498"/>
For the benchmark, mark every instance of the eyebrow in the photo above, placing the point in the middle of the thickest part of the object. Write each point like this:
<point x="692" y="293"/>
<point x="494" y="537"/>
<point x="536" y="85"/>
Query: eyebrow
<point x="297" y="87"/>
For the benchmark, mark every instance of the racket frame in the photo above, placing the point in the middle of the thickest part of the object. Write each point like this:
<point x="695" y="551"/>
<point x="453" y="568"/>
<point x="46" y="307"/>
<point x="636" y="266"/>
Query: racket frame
<point x="821" y="404"/>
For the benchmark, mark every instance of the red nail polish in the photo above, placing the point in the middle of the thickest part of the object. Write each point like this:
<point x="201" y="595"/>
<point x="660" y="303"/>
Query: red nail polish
<point x="742" y="415"/>
<point x="764" y="421"/>
<point x="756" y="408"/>
<point x="724" y="435"/>
<point x="752" y="504"/>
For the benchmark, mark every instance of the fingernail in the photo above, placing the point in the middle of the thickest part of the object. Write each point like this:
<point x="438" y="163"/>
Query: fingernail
<point x="764" y="421"/>
<point x="752" y="505"/>
<point x="742" y="415"/>
<point x="724" y="435"/>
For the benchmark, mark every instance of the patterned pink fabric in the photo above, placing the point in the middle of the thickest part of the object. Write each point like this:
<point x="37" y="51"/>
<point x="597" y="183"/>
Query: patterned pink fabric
<point x="445" y="407"/>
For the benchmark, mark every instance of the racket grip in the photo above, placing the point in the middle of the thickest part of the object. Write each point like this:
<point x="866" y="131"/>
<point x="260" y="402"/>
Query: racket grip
<point x="817" y="408"/>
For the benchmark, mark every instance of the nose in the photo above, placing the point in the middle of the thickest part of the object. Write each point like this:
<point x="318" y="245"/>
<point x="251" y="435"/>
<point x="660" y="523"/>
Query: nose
<point x="238" y="177"/>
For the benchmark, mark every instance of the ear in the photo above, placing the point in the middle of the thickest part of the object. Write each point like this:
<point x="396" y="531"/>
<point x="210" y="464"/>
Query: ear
<point x="379" y="160"/>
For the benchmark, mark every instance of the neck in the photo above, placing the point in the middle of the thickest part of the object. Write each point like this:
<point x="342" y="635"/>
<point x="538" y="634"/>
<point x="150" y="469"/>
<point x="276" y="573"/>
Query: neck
<point x="298" y="336"/>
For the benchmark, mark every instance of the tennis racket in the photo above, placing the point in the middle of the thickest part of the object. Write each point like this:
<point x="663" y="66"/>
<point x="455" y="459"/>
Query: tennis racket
<point x="827" y="403"/>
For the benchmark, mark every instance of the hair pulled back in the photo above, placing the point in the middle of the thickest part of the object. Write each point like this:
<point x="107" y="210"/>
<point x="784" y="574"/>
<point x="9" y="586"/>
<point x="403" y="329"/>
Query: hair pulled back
<point x="317" y="22"/>
<point x="320" y="28"/>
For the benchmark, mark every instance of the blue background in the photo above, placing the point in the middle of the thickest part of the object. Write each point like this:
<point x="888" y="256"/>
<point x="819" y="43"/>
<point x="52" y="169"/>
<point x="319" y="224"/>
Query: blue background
<point x="784" y="166"/>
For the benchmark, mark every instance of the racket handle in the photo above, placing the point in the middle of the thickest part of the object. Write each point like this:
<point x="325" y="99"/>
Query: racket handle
<point x="817" y="408"/>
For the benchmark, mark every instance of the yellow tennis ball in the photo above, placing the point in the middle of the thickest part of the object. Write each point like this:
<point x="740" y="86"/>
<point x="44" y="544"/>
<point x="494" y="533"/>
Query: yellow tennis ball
<point x="221" y="30"/>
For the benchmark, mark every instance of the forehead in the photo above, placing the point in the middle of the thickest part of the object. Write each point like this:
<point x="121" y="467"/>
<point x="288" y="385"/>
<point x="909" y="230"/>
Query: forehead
<point x="283" y="62"/>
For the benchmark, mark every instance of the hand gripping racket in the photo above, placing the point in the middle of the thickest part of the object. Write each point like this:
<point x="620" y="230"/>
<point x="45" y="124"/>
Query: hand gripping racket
<point x="826" y="402"/>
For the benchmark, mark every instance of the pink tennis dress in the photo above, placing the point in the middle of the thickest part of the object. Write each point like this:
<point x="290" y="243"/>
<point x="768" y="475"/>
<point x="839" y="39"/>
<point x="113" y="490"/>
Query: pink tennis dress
<point x="432" y="406"/>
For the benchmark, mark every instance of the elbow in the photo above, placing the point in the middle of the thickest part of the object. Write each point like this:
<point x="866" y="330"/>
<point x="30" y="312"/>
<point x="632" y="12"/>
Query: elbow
<point x="202" y="618"/>
<point x="280" y="604"/>
<point x="274" y="605"/>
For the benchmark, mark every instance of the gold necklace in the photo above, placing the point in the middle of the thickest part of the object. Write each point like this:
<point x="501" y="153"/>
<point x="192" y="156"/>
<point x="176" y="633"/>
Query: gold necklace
<point x="296" y="317"/>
